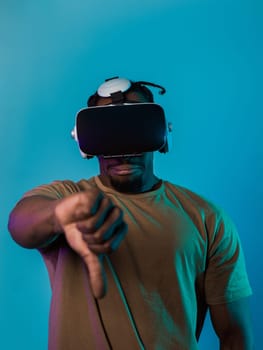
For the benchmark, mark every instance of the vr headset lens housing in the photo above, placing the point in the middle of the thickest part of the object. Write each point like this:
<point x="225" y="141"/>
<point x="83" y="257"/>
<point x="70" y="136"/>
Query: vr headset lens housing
<point x="125" y="129"/>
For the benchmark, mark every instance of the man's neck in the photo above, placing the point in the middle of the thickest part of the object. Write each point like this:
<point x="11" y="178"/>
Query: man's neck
<point x="151" y="185"/>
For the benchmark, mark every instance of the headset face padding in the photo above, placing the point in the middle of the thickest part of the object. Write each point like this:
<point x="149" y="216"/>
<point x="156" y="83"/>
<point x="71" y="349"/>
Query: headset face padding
<point x="123" y="129"/>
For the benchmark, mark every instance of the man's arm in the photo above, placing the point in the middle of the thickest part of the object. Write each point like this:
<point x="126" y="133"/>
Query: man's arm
<point x="232" y="323"/>
<point x="90" y="222"/>
<point x="32" y="222"/>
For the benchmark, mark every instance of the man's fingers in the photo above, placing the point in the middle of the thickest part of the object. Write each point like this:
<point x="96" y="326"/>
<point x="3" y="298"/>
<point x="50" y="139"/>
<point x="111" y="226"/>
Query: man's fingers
<point x="112" y="224"/>
<point x="78" y="206"/>
<point x="93" y="223"/>
<point x="96" y="274"/>
<point x="87" y="204"/>
<point x="112" y="244"/>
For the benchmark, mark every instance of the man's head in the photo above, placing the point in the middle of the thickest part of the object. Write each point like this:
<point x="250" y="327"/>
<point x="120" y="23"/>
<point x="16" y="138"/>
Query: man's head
<point x="115" y="107"/>
<point x="125" y="174"/>
<point x="132" y="174"/>
<point x="128" y="174"/>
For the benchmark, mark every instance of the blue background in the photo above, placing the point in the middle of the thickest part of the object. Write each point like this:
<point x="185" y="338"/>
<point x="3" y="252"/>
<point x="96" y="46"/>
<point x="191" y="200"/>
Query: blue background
<point x="208" y="54"/>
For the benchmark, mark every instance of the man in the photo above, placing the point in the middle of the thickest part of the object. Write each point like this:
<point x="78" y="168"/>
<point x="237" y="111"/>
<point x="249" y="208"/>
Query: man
<point x="134" y="261"/>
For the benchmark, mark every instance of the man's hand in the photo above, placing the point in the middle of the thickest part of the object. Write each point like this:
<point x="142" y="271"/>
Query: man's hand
<point x="93" y="226"/>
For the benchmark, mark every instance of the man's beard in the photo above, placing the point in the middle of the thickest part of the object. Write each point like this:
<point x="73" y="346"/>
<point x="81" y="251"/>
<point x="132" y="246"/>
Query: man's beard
<point x="132" y="185"/>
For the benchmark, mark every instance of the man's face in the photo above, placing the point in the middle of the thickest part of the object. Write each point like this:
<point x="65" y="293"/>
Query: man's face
<point x="128" y="174"/>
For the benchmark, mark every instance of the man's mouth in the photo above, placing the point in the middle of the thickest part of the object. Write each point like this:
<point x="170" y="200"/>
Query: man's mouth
<point x="125" y="169"/>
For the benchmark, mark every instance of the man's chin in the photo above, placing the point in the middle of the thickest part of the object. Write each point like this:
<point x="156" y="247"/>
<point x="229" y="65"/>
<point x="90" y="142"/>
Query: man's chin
<point x="126" y="184"/>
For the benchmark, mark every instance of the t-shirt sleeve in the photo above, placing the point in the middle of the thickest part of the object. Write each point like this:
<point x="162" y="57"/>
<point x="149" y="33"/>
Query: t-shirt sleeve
<point x="54" y="190"/>
<point x="226" y="278"/>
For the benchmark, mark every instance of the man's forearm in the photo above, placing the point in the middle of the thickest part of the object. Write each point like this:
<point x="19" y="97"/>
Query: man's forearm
<point x="32" y="222"/>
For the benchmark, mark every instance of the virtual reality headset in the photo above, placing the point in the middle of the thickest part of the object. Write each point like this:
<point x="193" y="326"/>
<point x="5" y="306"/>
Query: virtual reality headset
<point x="120" y="129"/>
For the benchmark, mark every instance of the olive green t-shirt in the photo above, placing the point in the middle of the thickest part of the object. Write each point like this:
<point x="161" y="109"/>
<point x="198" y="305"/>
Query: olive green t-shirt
<point x="181" y="254"/>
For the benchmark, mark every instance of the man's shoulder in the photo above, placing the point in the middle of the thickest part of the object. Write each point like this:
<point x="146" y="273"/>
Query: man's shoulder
<point x="60" y="188"/>
<point x="199" y="207"/>
<point x="72" y="186"/>
<point x="190" y="198"/>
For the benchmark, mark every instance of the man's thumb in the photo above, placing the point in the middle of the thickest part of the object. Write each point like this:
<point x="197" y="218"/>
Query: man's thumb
<point x="96" y="274"/>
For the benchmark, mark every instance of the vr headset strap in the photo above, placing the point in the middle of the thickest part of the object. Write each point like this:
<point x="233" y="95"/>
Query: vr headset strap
<point x="117" y="97"/>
